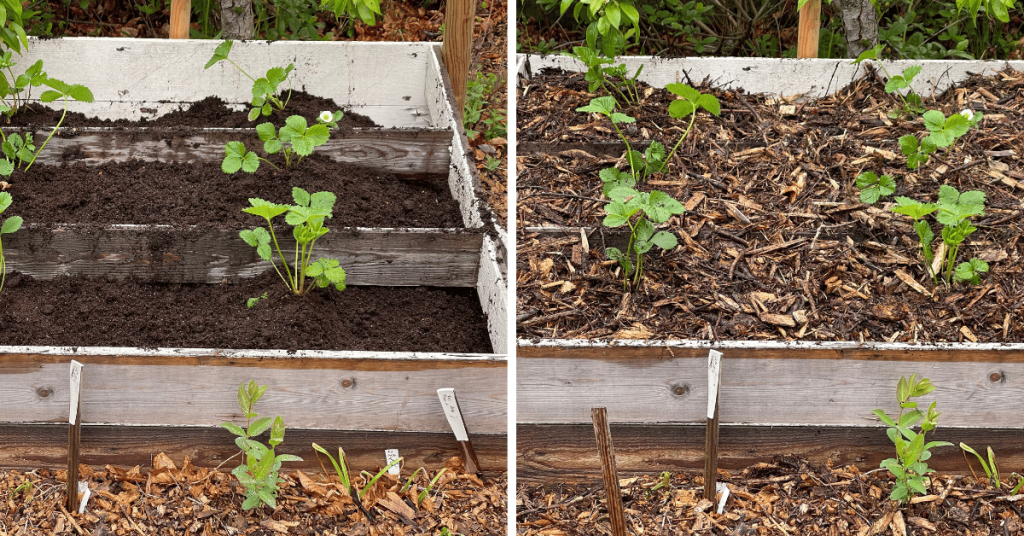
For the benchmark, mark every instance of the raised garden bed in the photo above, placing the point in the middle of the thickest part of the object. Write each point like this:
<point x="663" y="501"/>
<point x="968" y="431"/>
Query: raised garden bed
<point x="141" y="398"/>
<point x="789" y="388"/>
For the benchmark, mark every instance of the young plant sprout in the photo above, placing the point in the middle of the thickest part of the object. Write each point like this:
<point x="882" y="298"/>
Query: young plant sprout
<point x="641" y="211"/>
<point x="9" y="226"/>
<point x="32" y="77"/>
<point x="21" y="151"/>
<point x="264" y="90"/>
<point x="258" y="473"/>
<point x="912" y="452"/>
<point x="295" y="141"/>
<point x="307" y="217"/>
<point x="910" y="102"/>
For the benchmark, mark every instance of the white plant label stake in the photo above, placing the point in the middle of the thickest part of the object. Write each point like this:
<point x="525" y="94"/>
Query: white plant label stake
<point x="454" y="414"/>
<point x="391" y="455"/>
<point x="74" y="438"/>
<point x="711" y="438"/>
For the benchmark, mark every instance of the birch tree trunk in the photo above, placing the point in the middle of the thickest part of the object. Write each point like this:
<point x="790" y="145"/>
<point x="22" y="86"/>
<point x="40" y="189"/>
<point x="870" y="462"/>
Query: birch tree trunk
<point x="861" y="24"/>
<point x="236" y="19"/>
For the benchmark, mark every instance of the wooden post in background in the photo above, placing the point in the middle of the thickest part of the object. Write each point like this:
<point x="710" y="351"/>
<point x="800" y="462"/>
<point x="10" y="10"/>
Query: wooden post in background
<point x="711" y="438"/>
<point x="616" y="516"/>
<point x="181" y="13"/>
<point x="457" y="47"/>
<point x="74" y="435"/>
<point x="810" y="22"/>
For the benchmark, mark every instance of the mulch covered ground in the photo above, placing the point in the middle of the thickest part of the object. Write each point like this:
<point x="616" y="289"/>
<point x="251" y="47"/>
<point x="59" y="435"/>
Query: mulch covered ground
<point x="785" y="498"/>
<point x="775" y="243"/>
<point x="167" y="500"/>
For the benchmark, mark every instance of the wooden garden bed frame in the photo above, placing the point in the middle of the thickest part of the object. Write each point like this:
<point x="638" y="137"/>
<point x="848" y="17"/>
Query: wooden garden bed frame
<point x="138" y="402"/>
<point x="810" y="399"/>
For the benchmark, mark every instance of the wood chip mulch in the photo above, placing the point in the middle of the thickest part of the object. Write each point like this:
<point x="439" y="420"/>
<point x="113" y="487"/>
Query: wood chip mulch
<point x="775" y="243"/>
<point x="785" y="498"/>
<point x="167" y="500"/>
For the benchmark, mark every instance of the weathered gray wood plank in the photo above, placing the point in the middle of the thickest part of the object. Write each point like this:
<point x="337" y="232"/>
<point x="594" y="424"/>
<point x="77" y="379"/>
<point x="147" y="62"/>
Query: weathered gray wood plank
<point x="351" y="390"/>
<point x="492" y="287"/>
<point x="568" y="453"/>
<point x="391" y="257"/>
<point x="126" y="75"/>
<point x="669" y="385"/>
<point x="31" y="447"/>
<point x="402" y="152"/>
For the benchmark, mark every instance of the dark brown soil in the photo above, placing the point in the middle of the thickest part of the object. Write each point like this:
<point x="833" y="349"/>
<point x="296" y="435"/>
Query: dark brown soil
<point x="387" y="319"/>
<point x="785" y="498"/>
<point x="191" y="194"/>
<point x="207" y="113"/>
<point x="167" y="501"/>
<point x="774" y="231"/>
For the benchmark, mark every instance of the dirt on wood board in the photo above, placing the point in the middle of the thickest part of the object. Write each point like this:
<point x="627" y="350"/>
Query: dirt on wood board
<point x="775" y="242"/>
<point x="787" y="497"/>
<point x="81" y="311"/>
<point x="211" y="112"/>
<point x="168" y="500"/>
<point x="202" y="194"/>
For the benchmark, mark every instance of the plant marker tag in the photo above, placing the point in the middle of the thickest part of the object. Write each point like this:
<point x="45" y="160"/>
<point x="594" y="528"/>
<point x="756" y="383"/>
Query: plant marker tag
<point x="714" y="380"/>
<point x="83" y="489"/>
<point x="76" y="391"/>
<point x="391" y="455"/>
<point x="722" y="488"/>
<point x="451" y="410"/>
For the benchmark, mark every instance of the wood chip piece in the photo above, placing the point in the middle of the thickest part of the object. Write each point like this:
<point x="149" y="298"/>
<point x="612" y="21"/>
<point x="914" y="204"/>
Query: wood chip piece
<point x="968" y="334"/>
<point x="906" y="278"/>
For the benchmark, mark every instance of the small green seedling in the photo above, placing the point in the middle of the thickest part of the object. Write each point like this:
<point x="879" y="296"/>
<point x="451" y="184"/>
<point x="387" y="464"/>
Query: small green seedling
<point x="664" y="481"/>
<point x="641" y="211"/>
<point x="953" y="211"/>
<point x="599" y="76"/>
<point x="264" y="90"/>
<point x="253" y="301"/>
<point x="9" y="226"/>
<point x="872" y="187"/>
<point x="991" y="468"/>
<point x="910" y="101"/>
<point x="25" y="487"/>
<point x="654" y="159"/>
<point x="307" y="217"/>
<point x="423" y="494"/>
<point x="909" y="466"/>
<point x="341" y="468"/>
<point x="942" y="133"/>
<point x="295" y="141"/>
<point x="34" y="76"/>
<point x="259" y="472"/>
<point x="21" y="151"/>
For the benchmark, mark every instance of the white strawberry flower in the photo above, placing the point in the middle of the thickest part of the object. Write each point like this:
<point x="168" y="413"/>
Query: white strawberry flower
<point x="967" y="112"/>
<point x="326" y="117"/>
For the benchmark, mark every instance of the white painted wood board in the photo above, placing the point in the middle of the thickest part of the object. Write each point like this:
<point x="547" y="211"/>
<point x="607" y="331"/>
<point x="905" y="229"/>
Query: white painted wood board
<point x="370" y="256"/>
<point x="327" y="390"/>
<point x="492" y="288"/>
<point x="765" y="391"/>
<point x="384" y="81"/>
<point x="780" y="77"/>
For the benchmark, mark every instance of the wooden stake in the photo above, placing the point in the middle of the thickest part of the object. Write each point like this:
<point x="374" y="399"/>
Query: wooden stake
<point x="74" y="435"/>
<point x="457" y="47"/>
<point x="181" y="13"/>
<point x="810" y="22"/>
<point x="608" y="471"/>
<point x="711" y="437"/>
<point x="458" y="424"/>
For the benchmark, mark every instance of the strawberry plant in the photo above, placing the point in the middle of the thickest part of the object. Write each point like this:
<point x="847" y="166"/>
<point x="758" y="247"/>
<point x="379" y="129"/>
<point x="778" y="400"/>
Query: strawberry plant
<point x="641" y="211"/>
<point x="295" y="140"/>
<point x="264" y="89"/>
<point x="307" y="217"/>
<point x="9" y="226"/>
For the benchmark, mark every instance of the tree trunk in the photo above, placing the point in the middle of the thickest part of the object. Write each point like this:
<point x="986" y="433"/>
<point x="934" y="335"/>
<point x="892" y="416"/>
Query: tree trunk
<point x="861" y="24"/>
<point x="236" y="19"/>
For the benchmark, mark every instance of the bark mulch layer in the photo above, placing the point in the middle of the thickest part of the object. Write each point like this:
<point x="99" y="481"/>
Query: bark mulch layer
<point x="207" y="113"/>
<point x="775" y="243"/>
<point x="80" y="311"/>
<point x="202" y="194"/>
<point x="784" y="498"/>
<point x="167" y="500"/>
